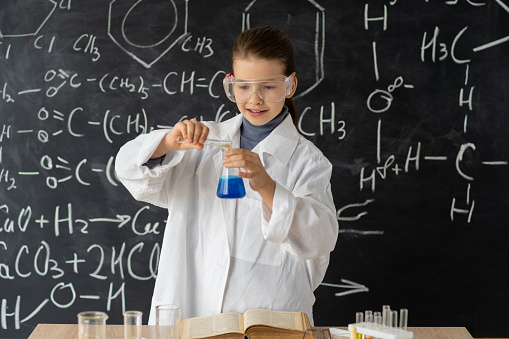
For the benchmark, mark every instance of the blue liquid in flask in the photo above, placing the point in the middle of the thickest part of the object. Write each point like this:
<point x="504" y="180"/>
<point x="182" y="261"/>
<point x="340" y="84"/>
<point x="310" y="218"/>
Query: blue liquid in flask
<point x="230" y="187"/>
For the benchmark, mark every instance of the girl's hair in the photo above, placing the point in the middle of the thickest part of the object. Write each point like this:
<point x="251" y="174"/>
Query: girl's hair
<point x="268" y="43"/>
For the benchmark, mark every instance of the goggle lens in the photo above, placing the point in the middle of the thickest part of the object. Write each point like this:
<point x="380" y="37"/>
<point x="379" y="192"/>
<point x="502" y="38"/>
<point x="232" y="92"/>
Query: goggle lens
<point x="269" y="90"/>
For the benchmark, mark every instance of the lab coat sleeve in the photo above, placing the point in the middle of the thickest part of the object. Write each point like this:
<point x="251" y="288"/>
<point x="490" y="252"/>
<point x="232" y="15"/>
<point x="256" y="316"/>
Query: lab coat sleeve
<point x="144" y="183"/>
<point x="304" y="220"/>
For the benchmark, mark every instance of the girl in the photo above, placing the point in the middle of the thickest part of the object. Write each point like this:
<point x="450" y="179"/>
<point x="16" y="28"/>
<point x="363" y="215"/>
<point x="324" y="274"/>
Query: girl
<point x="269" y="249"/>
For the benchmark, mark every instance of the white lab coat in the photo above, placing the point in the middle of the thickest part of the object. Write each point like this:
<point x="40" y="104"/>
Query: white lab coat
<point x="221" y="255"/>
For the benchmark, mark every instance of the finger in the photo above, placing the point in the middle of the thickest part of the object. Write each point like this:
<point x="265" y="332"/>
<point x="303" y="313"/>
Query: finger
<point x="244" y="165"/>
<point x="234" y="155"/>
<point x="198" y="127"/>
<point x="239" y="154"/>
<point x="240" y="164"/>
<point x="176" y="137"/>
<point x="179" y="130"/>
<point x="247" y="166"/>
<point x="245" y="175"/>
<point x="191" y="126"/>
<point x="187" y="129"/>
<point x="250" y="159"/>
<point x="236" y="151"/>
<point x="204" y="134"/>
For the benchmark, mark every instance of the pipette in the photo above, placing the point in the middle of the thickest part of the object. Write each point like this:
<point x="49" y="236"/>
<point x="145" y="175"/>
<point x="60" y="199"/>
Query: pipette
<point x="208" y="142"/>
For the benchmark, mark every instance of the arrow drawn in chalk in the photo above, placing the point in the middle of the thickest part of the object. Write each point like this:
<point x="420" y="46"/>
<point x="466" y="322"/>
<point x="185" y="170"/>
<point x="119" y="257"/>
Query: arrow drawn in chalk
<point x="352" y="287"/>
<point x="121" y="219"/>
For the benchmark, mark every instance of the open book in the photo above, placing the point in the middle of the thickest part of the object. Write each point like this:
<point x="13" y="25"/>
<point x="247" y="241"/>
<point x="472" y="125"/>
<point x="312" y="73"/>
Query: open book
<point x="254" y="323"/>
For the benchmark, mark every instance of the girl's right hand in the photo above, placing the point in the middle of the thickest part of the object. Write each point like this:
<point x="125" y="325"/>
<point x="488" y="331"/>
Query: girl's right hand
<point x="193" y="132"/>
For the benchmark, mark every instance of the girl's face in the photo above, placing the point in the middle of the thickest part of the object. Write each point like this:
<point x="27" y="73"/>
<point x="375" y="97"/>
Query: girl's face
<point x="256" y="110"/>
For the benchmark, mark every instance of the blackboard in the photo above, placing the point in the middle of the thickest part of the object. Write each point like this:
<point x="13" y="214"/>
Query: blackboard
<point x="408" y="99"/>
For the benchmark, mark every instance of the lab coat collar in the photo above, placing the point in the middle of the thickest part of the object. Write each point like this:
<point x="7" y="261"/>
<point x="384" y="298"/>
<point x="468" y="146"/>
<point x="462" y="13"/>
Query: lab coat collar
<point x="281" y="143"/>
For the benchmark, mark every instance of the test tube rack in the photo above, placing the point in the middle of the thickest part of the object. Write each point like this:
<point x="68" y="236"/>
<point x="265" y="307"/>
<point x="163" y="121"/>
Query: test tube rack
<point x="372" y="330"/>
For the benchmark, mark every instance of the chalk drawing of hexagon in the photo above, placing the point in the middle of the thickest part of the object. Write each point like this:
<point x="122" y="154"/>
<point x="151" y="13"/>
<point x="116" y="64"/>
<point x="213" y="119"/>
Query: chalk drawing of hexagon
<point x="24" y="18"/>
<point x="147" y="29"/>
<point x="304" y="22"/>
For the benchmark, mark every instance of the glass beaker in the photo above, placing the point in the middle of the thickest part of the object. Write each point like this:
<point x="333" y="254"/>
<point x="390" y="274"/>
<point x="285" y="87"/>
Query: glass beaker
<point x="167" y="321"/>
<point x="132" y="324"/>
<point x="230" y="185"/>
<point x="92" y="325"/>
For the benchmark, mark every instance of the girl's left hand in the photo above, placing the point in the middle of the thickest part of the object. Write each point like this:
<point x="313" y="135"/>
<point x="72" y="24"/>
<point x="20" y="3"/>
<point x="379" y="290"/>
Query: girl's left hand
<point x="253" y="170"/>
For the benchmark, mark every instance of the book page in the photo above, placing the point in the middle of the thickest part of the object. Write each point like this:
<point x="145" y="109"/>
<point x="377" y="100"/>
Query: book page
<point x="290" y="320"/>
<point x="212" y="325"/>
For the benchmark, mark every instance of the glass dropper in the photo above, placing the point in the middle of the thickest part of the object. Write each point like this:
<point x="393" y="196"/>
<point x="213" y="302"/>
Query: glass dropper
<point x="209" y="142"/>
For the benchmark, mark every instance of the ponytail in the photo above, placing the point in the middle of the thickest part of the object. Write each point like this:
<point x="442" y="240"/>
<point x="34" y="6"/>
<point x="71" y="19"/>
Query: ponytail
<point x="291" y="110"/>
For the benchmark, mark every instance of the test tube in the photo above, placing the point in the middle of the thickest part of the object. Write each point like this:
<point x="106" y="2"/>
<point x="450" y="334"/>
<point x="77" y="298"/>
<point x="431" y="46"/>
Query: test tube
<point x="386" y="315"/>
<point x="394" y="318"/>
<point x="403" y="318"/>
<point x="377" y="318"/>
<point x="209" y="142"/>
<point x="359" y="317"/>
<point x="368" y="316"/>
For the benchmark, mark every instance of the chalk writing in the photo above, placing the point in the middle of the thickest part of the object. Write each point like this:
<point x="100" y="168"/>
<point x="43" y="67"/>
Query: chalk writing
<point x="202" y="45"/>
<point x="325" y="118"/>
<point x="41" y="43"/>
<point x="5" y="94"/>
<point x="406" y="100"/>
<point x="5" y="50"/>
<point x="173" y="17"/>
<point x="31" y="260"/>
<point x="63" y="75"/>
<point x="86" y="43"/>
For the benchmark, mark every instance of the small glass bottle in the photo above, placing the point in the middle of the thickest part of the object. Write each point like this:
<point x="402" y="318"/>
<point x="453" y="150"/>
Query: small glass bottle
<point x="230" y="185"/>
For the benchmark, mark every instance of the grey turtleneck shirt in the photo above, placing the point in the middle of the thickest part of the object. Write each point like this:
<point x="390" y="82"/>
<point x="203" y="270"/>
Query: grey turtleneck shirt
<point x="251" y="135"/>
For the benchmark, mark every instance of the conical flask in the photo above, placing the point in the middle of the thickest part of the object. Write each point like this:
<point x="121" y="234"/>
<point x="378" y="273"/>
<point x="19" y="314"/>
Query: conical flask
<point x="230" y="185"/>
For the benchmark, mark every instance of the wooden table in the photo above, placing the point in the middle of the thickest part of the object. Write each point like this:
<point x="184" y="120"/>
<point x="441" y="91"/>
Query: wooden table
<point x="70" y="331"/>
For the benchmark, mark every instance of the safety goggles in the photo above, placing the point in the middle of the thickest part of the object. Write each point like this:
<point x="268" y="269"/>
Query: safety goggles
<point x="272" y="89"/>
